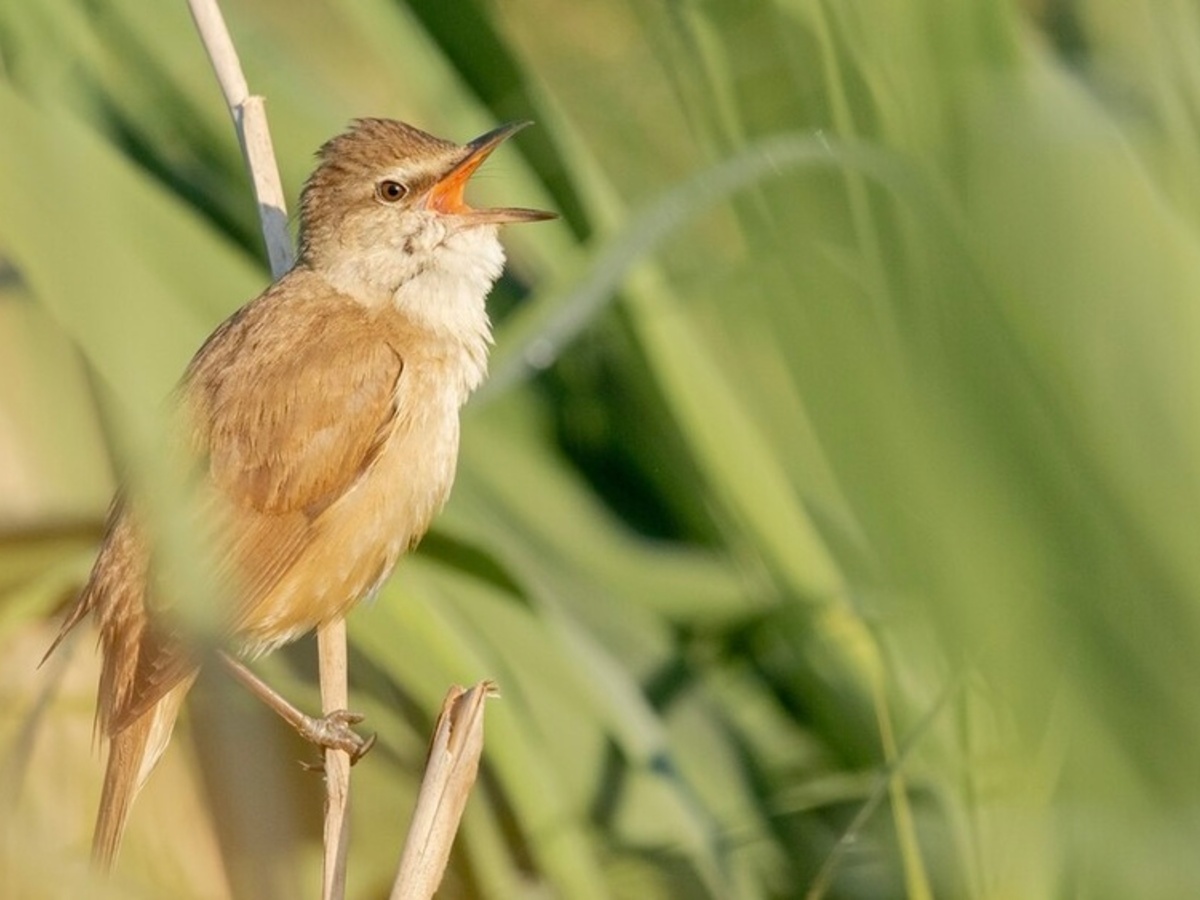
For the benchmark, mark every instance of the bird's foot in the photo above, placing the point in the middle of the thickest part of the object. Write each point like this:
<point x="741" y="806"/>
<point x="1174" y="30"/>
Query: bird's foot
<point x="333" y="732"/>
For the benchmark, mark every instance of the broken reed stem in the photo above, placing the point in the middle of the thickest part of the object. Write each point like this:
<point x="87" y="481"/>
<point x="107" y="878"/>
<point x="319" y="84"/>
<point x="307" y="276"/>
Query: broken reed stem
<point x="250" y="120"/>
<point x="450" y="772"/>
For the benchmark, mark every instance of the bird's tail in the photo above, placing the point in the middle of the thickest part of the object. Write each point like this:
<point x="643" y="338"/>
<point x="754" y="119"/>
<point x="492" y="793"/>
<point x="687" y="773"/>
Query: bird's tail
<point x="132" y="754"/>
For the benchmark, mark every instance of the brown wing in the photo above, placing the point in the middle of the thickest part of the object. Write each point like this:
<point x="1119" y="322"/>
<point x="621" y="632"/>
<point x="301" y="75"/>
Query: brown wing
<point x="292" y="405"/>
<point x="289" y="429"/>
<point x="290" y="400"/>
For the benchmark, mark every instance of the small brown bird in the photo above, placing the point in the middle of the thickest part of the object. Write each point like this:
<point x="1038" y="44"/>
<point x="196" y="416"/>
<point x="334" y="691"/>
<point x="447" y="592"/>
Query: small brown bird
<point x="323" y="417"/>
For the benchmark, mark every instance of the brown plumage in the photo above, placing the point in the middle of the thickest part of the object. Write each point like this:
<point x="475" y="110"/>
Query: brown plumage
<point x="323" y="417"/>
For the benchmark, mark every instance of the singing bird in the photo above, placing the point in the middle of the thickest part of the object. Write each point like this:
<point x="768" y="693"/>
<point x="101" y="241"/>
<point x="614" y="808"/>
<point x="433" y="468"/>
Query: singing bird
<point x="323" y="420"/>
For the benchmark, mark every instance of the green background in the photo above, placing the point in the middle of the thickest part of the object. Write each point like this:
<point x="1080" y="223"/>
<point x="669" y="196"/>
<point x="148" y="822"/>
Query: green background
<point x="830" y="519"/>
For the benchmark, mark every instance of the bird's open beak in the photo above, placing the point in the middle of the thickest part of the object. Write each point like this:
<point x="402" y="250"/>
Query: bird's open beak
<point x="446" y="196"/>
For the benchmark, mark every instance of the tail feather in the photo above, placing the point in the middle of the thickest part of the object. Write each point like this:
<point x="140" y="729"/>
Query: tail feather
<point x="133" y="753"/>
<point x="126" y="749"/>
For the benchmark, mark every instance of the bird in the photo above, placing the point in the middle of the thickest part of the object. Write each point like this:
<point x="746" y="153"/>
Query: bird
<point x="321" y="421"/>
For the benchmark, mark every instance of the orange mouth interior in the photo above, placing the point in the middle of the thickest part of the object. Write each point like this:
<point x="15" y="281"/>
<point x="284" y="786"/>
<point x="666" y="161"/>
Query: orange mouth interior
<point x="447" y="195"/>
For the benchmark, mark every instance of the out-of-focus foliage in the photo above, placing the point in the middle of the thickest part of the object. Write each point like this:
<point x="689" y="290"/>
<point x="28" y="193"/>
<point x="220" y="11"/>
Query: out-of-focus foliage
<point x="829" y="522"/>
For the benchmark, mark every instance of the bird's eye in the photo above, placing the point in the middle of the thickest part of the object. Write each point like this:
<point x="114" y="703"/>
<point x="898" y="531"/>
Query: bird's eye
<point x="390" y="191"/>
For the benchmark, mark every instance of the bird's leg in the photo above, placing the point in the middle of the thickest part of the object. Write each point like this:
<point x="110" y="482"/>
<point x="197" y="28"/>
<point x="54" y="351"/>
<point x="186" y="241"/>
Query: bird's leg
<point x="332" y="731"/>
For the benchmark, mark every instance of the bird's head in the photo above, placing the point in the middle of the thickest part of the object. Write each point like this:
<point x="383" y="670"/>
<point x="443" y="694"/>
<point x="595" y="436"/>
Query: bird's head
<point x="385" y="205"/>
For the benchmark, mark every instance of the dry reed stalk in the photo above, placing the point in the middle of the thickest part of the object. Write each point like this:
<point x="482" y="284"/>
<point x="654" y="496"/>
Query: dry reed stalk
<point x="250" y="120"/>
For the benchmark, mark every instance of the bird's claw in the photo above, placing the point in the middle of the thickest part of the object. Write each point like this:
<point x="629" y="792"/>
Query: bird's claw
<point x="334" y="732"/>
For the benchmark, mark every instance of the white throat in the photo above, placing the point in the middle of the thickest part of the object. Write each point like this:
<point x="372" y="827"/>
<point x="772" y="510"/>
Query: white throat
<point x="445" y="279"/>
<point x="436" y="275"/>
